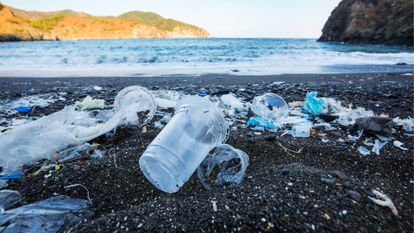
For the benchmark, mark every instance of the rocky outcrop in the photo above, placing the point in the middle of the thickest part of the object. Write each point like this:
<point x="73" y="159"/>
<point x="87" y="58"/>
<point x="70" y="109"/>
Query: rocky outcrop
<point x="18" y="25"/>
<point x="371" y="21"/>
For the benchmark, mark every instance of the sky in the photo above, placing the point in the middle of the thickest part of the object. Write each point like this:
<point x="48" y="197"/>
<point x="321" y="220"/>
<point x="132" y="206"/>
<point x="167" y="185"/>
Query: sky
<point x="222" y="18"/>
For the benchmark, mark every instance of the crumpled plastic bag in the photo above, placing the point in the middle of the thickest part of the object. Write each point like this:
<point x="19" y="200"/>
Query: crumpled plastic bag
<point x="43" y="138"/>
<point x="259" y="122"/>
<point x="382" y="126"/>
<point x="314" y="105"/>
<point x="232" y="163"/>
<point x="45" y="216"/>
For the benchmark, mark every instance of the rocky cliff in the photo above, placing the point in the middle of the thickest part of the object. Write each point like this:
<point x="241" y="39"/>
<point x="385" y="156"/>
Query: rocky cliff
<point x="371" y="21"/>
<point x="18" y="25"/>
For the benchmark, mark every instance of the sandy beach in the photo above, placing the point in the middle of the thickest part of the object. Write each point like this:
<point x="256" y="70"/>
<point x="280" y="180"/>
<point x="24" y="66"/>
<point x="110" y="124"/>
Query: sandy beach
<point x="323" y="188"/>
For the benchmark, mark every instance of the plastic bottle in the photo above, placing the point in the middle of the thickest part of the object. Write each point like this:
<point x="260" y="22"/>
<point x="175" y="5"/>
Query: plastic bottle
<point x="172" y="157"/>
<point x="300" y="131"/>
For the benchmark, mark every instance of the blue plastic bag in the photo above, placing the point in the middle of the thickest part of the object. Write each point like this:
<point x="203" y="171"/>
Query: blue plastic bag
<point x="23" y="109"/>
<point x="258" y="121"/>
<point x="313" y="104"/>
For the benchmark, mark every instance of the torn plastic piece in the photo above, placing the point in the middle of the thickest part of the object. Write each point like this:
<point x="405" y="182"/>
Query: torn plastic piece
<point x="83" y="151"/>
<point x="172" y="157"/>
<point x="399" y="144"/>
<point x="407" y="124"/>
<point x="88" y="103"/>
<point x="357" y="137"/>
<point x="23" y="109"/>
<point x="258" y="121"/>
<point x="231" y="162"/>
<point x="270" y="107"/>
<point x="232" y="101"/>
<point x="375" y="125"/>
<point x="313" y="104"/>
<point x="15" y="175"/>
<point x="44" y="216"/>
<point x="364" y="151"/>
<point x="384" y="200"/>
<point x="166" y="98"/>
<point x="378" y="146"/>
<point x="97" y="88"/>
<point x="8" y="198"/>
<point x="300" y="131"/>
<point x="347" y="117"/>
<point x="42" y="138"/>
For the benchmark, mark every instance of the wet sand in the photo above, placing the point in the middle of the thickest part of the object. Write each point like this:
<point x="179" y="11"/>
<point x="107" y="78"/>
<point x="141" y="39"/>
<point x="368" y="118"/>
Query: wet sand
<point x="324" y="188"/>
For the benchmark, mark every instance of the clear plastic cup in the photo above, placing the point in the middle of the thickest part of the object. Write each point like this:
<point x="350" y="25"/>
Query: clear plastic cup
<point x="172" y="157"/>
<point x="270" y="107"/>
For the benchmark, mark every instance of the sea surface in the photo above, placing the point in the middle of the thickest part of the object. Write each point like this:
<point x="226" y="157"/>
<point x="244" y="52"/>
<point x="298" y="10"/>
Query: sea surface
<point x="155" y="57"/>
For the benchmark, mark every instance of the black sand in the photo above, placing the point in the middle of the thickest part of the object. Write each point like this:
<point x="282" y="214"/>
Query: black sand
<point x="324" y="188"/>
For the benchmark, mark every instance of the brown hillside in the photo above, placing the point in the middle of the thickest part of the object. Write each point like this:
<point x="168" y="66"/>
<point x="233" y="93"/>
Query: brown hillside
<point x="69" y="25"/>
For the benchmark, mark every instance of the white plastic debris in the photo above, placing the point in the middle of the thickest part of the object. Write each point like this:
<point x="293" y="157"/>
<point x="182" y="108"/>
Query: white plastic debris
<point x="231" y="162"/>
<point x="399" y="145"/>
<point x="97" y="88"/>
<point x="42" y="101"/>
<point x="348" y="116"/>
<point x="383" y="200"/>
<point x="357" y="137"/>
<point x="89" y="103"/>
<point x="364" y="151"/>
<point x="296" y="104"/>
<point x="43" y="138"/>
<point x="232" y="101"/>
<point x="166" y="98"/>
<point x="407" y="124"/>
<point x="378" y="146"/>
<point x="270" y="107"/>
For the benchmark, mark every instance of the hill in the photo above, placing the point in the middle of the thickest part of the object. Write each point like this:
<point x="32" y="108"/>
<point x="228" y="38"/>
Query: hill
<point x="371" y="21"/>
<point x="24" y="25"/>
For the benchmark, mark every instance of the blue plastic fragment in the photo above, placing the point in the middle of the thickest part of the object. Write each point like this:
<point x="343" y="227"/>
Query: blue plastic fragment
<point x="258" y="121"/>
<point x="201" y="93"/>
<point x="23" y="109"/>
<point x="12" y="176"/>
<point x="313" y="104"/>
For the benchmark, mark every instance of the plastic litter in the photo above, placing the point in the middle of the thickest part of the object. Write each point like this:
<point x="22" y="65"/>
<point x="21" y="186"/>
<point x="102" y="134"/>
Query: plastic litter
<point x="97" y="88"/>
<point x="383" y="200"/>
<point x="382" y="126"/>
<point x="89" y="103"/>
<point x="399" y="145"/>
<point x="378" y="145"/>
<point x="83" y="151"/>
<point x="357" y="137"/>
<point x="41" y="101"/>
<point x="43" y="138"/>
<point x="232" y="164"/>
<point x="202" y="94"/>
<point x="15" y="175"/>
<point x="313" y="104"/>
<point x="8" y="198"/>
<point x="407" y="124"/>
<point x="24" y="109"/>
<point x="166" y="98"/>
<point x="172" y="157"/>
<point x="45" y="216"/>
<point x="232" y="101"/>
<point x="300" y="131"/>
<point x="270" y="107"/>
<point x="364" y="151"/>
<point x="259" y="122"/>
<point x="348" y="116"/>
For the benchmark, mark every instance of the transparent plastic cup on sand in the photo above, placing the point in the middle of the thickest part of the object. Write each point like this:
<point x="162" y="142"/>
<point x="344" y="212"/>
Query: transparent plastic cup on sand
<point x="270" y="107"/>
<point x="172" y="157"/>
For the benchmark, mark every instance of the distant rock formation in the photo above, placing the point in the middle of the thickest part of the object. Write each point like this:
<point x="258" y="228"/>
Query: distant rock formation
<point x="371" y="21"/>
<point x="16" y="25"/>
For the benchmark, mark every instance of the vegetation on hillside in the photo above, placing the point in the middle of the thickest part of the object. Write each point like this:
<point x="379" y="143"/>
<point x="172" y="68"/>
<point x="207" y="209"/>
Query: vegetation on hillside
<point x="47" y="23"/>
<point x="1" y="6"/>
<point x="153" y="19"/>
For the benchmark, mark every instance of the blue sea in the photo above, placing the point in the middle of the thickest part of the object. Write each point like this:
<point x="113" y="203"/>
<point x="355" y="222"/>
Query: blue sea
<point x="158" y="57"/>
